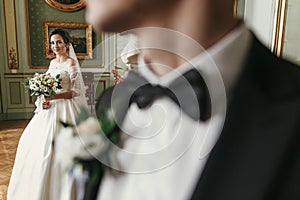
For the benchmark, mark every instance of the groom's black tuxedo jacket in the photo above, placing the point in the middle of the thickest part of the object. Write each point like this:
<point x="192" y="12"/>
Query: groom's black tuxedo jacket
<point x="258" y="153"/>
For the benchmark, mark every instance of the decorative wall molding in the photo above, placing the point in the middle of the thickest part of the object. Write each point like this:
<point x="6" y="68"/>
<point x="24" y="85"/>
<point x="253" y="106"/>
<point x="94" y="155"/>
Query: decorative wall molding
<point x="19" y="99"/>
<point x="15" y="93"/>
<point x="11" y="34"/>
<point x="12" y="59"/>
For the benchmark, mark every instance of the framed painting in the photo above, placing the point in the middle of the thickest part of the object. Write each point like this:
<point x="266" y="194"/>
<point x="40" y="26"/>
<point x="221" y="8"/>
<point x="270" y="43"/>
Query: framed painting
<point x="66" y="5"/>
<point x="81" y="38"/>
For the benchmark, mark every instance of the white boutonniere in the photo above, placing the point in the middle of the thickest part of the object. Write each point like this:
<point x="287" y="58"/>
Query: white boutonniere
<point x="79" y="146"/>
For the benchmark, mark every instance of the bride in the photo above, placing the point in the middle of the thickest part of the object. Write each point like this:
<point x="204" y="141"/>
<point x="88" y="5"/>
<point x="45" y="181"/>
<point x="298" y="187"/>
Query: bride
<point x="34" y="175"/>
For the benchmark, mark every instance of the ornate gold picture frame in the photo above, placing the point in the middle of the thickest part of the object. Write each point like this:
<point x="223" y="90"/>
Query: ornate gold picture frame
<point x="81" y="37"/>
<point x="66" y="5"/>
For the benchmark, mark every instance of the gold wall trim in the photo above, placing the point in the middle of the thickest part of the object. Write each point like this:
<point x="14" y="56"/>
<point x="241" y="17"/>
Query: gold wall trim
<point x="279" y="27"/>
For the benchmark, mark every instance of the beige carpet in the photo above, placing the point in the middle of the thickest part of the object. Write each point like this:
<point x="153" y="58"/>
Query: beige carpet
<point x="10" y="132"/>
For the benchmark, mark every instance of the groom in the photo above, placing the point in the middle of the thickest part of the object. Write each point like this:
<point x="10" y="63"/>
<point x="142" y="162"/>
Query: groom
<point x="243" y="142"/>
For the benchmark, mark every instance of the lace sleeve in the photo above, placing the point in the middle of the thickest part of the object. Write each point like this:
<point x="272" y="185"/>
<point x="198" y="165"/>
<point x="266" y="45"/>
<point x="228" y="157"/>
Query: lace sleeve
<point x="77" y="84"/>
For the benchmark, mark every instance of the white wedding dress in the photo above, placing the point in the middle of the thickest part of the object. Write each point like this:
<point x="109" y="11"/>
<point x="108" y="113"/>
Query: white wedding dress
<point x="34" y="175"/>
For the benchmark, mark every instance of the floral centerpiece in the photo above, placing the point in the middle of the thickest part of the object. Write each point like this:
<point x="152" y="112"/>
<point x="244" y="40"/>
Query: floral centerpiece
<point x="43" y="84"/>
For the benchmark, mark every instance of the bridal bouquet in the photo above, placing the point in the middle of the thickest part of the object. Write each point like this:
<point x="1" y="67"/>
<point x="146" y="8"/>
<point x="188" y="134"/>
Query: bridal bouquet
<point x="81" y="148"/>
<point x="43" y="84"/>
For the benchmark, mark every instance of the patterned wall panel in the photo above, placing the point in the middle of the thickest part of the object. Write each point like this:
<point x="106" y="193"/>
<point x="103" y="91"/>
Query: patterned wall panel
<point x="15" y="93"/>
<point x="39" y="11"/>
<point x="101" y="82"/>
<point x="18" y="98"/>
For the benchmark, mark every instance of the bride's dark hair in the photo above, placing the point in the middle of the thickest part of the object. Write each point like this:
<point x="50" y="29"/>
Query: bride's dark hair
<point x="64" y="34"/>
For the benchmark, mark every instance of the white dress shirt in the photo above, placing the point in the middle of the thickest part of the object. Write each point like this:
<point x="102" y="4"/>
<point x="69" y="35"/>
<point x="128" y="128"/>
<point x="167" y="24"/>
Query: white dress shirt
<point x="165" y="150"/>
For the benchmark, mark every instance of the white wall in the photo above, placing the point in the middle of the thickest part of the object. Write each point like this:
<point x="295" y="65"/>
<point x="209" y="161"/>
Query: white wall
<point x="259" y="16"/>
<point x="291" y="42"/>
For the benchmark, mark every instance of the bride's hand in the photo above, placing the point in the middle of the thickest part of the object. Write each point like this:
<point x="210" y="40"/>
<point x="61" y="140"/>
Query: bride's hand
<point x="46" y="104"/>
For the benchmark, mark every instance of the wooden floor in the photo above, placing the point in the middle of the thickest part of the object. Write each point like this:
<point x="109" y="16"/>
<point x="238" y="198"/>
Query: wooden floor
<point x="10" y="132"/>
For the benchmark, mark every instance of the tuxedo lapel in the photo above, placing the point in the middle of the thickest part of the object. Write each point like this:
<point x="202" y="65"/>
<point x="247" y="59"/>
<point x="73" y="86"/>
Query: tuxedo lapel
<point x="246" y="160"/>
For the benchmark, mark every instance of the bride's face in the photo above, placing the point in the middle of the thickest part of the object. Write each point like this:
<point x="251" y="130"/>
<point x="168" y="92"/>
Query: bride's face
<point x="58" y="46"/>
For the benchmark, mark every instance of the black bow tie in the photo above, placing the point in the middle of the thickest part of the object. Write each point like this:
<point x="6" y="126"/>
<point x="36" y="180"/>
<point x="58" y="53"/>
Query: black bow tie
<point x="188" y="91"/>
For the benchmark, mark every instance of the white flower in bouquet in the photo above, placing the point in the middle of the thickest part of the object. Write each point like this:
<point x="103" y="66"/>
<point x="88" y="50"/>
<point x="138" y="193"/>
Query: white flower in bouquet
<point x="43" y="84"/>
